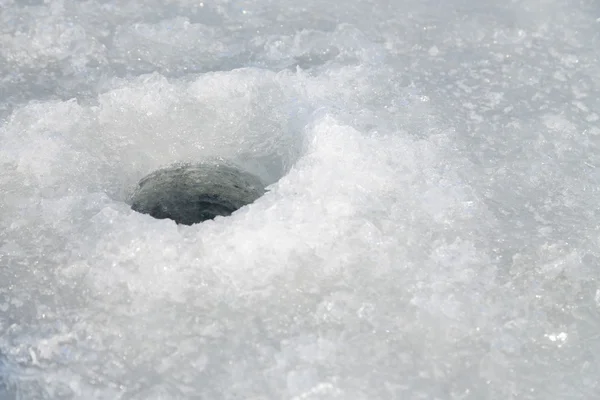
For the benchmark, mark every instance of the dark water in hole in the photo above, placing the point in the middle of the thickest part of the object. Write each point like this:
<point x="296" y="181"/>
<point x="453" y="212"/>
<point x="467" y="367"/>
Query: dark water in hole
<point x="192" y="193"/>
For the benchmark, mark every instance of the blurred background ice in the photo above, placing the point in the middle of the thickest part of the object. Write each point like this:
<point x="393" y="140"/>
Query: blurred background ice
<point x="431" y="229"/>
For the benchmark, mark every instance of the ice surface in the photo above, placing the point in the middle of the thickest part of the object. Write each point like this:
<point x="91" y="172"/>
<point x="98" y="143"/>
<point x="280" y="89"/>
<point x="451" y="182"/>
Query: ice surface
<point x="430" y="229"/>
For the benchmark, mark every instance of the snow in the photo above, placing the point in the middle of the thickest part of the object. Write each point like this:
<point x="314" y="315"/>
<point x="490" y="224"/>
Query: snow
<point x="430" y="226"/>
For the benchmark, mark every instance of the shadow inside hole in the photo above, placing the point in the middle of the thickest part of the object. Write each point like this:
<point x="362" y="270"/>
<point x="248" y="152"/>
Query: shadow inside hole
<point x="193" y="193"/>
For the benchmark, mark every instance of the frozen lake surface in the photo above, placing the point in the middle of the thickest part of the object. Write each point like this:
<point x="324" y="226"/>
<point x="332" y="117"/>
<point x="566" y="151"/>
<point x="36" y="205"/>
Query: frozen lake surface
<point x="430" y="230"/>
